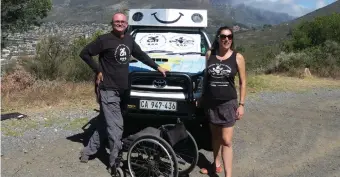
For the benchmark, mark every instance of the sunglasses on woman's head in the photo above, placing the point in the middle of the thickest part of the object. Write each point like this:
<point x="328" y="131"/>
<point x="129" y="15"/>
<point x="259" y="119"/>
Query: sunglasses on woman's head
<point x="223" y="36"/>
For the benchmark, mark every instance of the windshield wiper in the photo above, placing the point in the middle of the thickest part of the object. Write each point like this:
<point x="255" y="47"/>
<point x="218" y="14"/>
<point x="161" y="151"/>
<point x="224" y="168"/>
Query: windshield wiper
<point x="184" y="53"/>
<point x="158" y="51"/>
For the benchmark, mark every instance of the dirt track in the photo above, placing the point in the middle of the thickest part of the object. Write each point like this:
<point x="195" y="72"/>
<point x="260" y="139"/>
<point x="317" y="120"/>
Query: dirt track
<point x="281" y="135"/>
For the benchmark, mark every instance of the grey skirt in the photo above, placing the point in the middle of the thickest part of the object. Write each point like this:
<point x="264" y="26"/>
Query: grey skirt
<point x="221" y="113"/>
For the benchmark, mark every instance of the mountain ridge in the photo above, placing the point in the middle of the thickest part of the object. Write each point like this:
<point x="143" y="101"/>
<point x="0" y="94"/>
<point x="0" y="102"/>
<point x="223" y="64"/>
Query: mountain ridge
<point x="280" y="32"/>
<point x="100" y="11"/>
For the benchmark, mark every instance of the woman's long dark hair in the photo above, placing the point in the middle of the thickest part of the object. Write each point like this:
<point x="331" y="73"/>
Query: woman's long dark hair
<point x="215" y="45"/>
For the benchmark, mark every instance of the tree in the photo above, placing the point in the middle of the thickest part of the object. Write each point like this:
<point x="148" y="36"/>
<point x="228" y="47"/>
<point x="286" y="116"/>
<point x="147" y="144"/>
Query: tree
<point x="21" y="15"/>
<point x="314" y="33"/>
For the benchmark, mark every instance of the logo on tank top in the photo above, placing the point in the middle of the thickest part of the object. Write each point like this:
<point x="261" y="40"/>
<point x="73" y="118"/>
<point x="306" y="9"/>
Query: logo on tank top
<point x="122" y="54"/>
<point x="219" y="70"/>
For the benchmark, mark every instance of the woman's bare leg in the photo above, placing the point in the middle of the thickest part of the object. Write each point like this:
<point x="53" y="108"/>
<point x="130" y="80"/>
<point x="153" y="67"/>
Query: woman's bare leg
<point x="227" y="150"/>
<point x="216" y="138"/>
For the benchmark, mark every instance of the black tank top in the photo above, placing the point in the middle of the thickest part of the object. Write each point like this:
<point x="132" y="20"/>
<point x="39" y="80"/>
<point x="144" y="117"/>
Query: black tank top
<point x="221" y="78"/>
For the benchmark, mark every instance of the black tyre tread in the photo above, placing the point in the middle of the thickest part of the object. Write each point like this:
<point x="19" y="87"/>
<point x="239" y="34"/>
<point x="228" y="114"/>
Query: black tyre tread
<point x="120" y="172"/>
<point x="162" y="142"/>
<point x="192" y="166"/>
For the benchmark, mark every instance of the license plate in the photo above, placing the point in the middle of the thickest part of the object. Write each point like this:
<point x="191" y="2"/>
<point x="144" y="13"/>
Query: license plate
<point x="158" y="105"/>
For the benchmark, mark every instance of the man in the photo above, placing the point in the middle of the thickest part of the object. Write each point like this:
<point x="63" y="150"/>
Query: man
<point x="114" y="49"/>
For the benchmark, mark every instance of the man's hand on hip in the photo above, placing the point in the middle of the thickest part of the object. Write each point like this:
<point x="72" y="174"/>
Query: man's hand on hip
<point x="162" y="70"/>
<point x="99" y="78"/>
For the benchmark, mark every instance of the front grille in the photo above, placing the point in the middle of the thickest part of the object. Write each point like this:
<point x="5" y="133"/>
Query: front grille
<point x="175" y="83"/>
<point x="148" y="83"/>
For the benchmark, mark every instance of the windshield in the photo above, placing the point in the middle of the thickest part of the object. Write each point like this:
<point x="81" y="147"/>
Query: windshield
<point x="172" y="43"/>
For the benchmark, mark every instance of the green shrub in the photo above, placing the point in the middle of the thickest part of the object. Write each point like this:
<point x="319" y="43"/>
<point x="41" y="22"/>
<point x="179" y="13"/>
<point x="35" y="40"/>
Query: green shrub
<point x="323" y="61"/>
<point x="51" y="52"/>
<point x="8" y="66"/>
<point x="257" y="62"/>
<point x="58" y="59"/>
<point x="75" y="69"/>
<point x="314" y="33"/>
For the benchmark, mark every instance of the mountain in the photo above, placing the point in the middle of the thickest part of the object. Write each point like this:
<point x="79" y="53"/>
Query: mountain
<point x="327" y="10"/>
<point x="219" y="11"/>
<point x="260" y="46"/>
<point x="277" y="33"/>
<point x="257" y="17"/>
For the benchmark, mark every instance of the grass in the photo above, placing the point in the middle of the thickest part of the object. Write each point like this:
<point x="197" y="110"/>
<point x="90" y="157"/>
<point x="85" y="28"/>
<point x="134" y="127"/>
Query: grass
<point x="55" y="95"/>
<point x="49" y="122"/>
<point x="76" y="123"/>
<point x="260" y="83"/>
<point x="17" y="127"/>
<point x="45" y="95"/>
<point x="14" y="127"/>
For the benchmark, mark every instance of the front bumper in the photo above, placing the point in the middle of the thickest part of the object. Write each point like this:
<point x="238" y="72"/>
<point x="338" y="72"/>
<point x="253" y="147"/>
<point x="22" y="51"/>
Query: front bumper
<point x="186" y="101"/>
<point x="185" y="109"/>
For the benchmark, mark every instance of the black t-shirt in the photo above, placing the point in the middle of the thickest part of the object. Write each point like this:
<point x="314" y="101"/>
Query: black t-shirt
<point x="221" y="78"/>
<point x="114" y="56"/>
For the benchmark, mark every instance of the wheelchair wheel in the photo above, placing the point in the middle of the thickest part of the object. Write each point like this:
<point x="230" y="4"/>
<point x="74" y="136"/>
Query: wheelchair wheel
<point x="119" y="173"/>
<point x="151" y="156"/>
<point x="186" y="152"/>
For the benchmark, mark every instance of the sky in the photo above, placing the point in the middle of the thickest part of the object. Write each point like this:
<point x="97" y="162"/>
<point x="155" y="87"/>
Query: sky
<point x="294" y="8"/>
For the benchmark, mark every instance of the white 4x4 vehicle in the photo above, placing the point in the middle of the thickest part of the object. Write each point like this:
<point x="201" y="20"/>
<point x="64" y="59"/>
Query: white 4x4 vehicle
<point x="176" y="40"/>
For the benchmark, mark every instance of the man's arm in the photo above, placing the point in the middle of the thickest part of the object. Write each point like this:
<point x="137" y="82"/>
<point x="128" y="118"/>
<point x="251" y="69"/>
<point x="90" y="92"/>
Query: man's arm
<point x="142" y="56"/>
<point x="92" y="49"/>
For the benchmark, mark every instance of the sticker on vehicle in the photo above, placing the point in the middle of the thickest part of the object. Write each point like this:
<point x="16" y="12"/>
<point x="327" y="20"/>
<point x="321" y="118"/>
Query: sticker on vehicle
<point x="182" y="42"/>
<point x="152" y="41"/>
<point x="167" y="41"/>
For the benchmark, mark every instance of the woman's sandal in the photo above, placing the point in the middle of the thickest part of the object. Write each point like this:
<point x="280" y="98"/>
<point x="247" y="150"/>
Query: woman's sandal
<point x="217" y="170"/>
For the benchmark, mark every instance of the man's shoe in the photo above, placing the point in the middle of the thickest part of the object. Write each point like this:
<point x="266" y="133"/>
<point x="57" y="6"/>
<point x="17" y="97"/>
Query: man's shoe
<point x="84" y="158"/>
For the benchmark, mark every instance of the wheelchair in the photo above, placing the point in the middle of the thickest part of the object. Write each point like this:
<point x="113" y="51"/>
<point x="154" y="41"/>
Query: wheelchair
<point x="166" y="151"/>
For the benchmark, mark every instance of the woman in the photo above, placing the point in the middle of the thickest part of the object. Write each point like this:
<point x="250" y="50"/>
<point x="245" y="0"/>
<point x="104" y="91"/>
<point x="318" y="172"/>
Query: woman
<point x="220" y="97"/>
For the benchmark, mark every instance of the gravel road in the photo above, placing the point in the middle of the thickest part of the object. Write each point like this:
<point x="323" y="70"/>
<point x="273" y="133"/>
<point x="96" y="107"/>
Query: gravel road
<point x="282" y="135"/>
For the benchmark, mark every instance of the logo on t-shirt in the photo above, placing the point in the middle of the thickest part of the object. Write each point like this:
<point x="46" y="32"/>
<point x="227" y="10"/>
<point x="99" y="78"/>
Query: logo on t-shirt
<point x="122" y="54"/>
<point x="219" y="70"/>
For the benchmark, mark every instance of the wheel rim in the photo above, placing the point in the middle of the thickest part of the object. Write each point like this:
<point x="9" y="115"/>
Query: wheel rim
<point x="146" y="161"/>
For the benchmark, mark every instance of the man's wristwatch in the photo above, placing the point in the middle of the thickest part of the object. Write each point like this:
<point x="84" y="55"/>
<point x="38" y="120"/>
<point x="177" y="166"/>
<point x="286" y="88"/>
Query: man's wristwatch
<point x="241" y="104"/>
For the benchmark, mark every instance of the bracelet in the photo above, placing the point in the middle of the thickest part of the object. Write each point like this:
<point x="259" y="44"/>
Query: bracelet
<point x="241" y="104"/>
